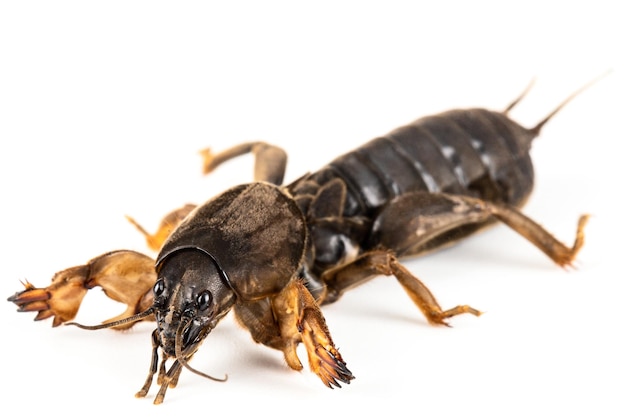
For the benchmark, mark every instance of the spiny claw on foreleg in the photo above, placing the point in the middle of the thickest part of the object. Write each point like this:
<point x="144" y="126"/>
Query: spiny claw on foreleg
<point x="326" y="362"/>
<point x="61" y="299"/>
<point x="300" y="320"/>
<point x="324" y="358"/>
<point x="28" y="295"/>
<point x="332" y="368"/>
<point x="33" y="299"/>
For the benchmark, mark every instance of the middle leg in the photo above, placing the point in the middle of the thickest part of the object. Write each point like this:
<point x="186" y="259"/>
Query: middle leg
<point x="377" y="262"/>
<point x="270" y="163"/>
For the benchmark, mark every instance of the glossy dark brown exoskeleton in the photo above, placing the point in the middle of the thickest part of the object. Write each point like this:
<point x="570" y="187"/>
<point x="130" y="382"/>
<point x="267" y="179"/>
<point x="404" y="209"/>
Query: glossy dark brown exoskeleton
<point x="273" y="253"/>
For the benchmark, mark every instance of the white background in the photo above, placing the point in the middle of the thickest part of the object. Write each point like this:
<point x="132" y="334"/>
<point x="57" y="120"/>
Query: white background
<point x="104" y="105"/>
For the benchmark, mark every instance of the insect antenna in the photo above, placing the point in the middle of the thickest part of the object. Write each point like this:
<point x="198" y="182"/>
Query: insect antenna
<point x="134" y="318"/>
<point x="180" y="356"/>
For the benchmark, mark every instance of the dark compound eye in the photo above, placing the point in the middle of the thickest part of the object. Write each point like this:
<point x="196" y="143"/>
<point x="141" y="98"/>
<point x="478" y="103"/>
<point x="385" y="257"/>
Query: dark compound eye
<point x="159" y="288"/>
<point x="204" y="300"/>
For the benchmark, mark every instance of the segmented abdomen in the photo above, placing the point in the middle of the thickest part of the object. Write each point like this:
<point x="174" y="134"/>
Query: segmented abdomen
<point x="475" y="152"/>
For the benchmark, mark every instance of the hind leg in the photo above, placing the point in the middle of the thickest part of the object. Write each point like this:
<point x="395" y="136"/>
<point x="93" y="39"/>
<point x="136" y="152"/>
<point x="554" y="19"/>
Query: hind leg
<point x="411" y="224"/>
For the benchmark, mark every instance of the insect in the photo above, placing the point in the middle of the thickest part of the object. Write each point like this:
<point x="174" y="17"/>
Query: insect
<point x="274" y="253"/>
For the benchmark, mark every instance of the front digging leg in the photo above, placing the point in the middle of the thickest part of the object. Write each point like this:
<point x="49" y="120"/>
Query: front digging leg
<point x="124" y="276"/>
<point x="168" y="224"/>
<point x="301" y="320"/>
<point x="288" y="319"/>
